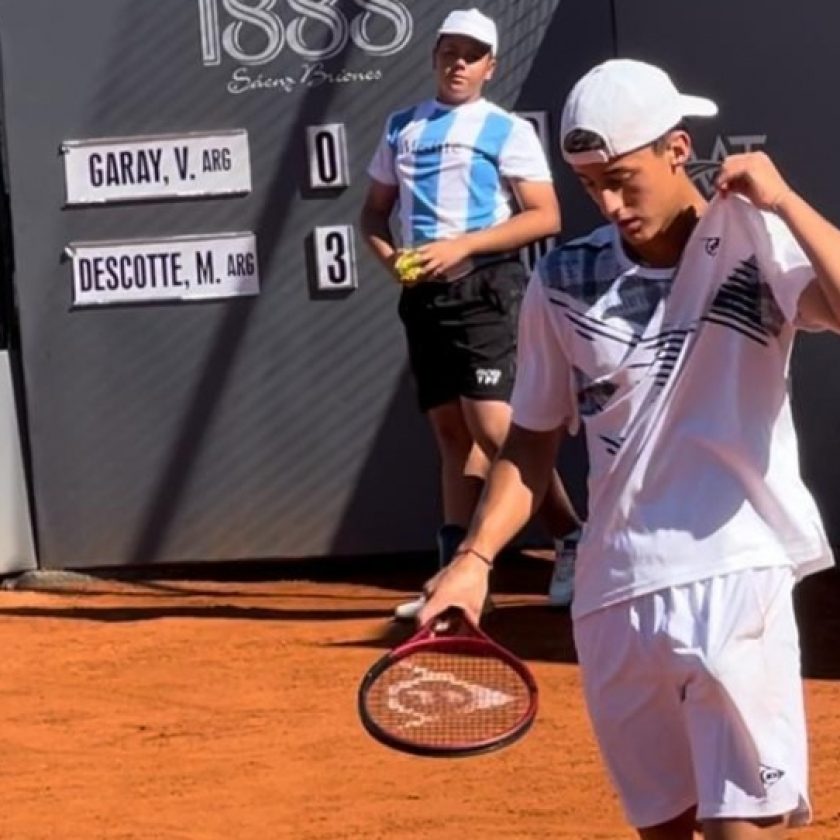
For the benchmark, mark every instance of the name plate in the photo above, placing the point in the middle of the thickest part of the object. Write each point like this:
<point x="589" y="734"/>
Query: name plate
<point x="187" y="268"/>
<point x="155" y="167"/>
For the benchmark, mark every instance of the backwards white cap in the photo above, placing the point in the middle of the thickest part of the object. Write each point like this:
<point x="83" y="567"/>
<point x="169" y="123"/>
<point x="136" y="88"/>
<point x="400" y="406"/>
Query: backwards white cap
<point x="628" y="104"/>
<point x="473" y="24"/>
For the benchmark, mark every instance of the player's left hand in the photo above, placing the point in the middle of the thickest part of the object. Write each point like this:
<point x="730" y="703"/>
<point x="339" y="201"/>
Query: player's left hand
<point x="754" y="176"/>
<point x="439" y="257"/>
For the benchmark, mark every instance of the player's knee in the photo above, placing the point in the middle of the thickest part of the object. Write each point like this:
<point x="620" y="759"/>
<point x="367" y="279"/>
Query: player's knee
<point x="452" y="435"/>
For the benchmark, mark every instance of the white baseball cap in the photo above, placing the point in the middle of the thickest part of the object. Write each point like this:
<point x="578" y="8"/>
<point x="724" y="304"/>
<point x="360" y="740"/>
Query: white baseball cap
<point x="473" y="24"/>
<point x="628" y="104"/>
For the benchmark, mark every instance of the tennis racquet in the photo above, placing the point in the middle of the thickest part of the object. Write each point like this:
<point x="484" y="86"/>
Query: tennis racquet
<point x="450" y="690"/>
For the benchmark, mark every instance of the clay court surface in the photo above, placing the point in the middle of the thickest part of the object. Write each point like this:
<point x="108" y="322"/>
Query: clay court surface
<point x="200" y="705"/>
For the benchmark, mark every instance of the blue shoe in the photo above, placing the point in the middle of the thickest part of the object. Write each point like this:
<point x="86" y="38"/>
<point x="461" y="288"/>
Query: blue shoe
<point x="561" y="592"/>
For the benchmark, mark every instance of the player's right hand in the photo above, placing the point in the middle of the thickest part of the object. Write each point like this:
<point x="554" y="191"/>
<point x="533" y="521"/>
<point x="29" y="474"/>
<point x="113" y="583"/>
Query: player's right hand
<point x="463" y="583"/>
<point x="755" y="176"/>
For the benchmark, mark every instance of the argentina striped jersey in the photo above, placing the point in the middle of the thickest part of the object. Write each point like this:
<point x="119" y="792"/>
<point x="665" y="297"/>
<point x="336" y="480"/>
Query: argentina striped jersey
<point x="452" y="166"/>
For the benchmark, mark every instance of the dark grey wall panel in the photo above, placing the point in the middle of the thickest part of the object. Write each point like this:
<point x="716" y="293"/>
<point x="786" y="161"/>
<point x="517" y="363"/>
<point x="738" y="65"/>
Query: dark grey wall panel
<point x="771" y="66"/>
<point x="281" y="425"/>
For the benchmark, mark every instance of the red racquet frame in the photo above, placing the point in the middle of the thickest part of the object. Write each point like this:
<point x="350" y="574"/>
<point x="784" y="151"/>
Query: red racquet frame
<point x="461" y="636"/>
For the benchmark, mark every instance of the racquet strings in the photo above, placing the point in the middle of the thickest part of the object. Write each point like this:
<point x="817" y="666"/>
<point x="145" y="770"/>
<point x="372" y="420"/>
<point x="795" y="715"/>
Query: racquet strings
<point x="445" y="699"/>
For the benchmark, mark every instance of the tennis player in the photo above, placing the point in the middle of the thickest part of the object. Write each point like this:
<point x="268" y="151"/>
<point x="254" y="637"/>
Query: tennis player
<point x="668" y="333"/>
<point x="455" y="165"/>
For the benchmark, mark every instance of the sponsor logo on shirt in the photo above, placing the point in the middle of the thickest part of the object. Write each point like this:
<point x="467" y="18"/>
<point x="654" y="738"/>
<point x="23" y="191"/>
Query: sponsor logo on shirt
<point x="416" y="148"/>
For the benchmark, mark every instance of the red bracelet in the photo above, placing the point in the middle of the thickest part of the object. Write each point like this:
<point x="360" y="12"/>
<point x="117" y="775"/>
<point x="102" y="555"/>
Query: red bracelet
<point x="482" y="557"/>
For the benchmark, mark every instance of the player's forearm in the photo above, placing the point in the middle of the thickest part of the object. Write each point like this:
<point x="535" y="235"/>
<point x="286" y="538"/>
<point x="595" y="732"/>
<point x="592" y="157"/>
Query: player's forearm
<point x="377" y="235"/>
<point x="821" y="242"/>
<point x="515" y="488"/>
<point x="519" y="230"/>
<point x="504" y="508"/>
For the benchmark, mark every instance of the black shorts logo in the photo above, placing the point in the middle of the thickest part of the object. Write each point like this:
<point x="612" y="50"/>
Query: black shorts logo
<point x="488" y="376"/>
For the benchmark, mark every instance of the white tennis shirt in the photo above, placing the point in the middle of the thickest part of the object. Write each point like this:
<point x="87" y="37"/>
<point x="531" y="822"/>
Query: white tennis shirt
<point x="452" y="166"/>
<point x="681" y="379"/>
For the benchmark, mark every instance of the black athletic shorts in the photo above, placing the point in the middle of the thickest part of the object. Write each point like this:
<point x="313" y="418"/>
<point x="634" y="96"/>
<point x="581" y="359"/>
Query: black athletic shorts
<point x="462" y="334"/>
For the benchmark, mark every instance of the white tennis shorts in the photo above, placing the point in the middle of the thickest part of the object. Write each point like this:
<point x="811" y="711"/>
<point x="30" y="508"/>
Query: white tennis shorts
<point x="695" y="695"/>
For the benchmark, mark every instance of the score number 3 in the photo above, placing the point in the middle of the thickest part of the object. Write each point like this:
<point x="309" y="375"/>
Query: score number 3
<point x="335" y="258"/>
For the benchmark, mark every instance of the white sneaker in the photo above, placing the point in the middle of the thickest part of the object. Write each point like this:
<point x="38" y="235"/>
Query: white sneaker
<point x="562" y="588"/>
<point x="410" y="609"/>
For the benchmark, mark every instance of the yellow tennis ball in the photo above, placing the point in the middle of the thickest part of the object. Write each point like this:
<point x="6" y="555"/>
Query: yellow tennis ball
<point x="408" y="266"/>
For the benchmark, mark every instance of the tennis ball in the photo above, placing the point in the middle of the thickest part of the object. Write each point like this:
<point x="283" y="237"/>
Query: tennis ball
<point x="408" y="266"/>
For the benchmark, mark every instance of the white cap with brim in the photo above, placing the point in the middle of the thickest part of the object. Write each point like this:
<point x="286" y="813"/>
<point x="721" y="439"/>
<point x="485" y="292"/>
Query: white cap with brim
<point x="473" y="24"/>
<point x="628" y="104"/>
